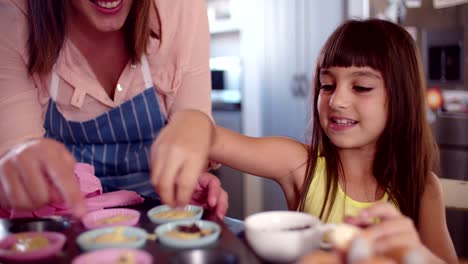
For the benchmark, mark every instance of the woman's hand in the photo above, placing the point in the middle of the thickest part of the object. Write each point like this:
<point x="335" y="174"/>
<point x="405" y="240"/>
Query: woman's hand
<point x="209" y="194"/>
<point x="180" y="155"/>
<point x="37" y="172"/>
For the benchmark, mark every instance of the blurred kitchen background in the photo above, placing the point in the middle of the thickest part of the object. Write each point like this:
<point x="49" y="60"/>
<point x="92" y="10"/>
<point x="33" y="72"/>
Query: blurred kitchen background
<point x="263" y="54"/>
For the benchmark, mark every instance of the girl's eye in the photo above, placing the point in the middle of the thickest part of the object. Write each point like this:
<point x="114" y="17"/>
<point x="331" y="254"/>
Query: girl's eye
<point x="362" y="89"/>
<point x="327" y="87"/>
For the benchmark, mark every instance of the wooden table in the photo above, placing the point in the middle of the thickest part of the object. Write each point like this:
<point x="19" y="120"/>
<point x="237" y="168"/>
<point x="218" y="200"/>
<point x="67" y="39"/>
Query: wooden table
<point x="228" y="243"/>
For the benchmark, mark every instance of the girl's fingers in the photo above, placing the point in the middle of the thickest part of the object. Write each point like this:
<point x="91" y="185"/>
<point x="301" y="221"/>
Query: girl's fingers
<point x="156" y="165"/>
<point x="165" y="185"/>
<point x="186" y="182"/>
<point x="391" y="234"/>
<point x="199" y="198"/>
<point x="386" y="228"/>
<point x="394" y="243"/>
<point x="381" y="211"/>
<point x="212" y="185"/>
<point x="222" y="205"/>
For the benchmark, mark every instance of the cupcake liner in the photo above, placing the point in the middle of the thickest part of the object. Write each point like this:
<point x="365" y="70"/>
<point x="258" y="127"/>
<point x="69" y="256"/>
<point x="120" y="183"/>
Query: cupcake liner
<point x="104" y="217"/>
<point x="161" y="233"/>
<point x="56" y="242"/>
<point x="112" y="255"/>
<point x="137" y="238"/>
<point x="153" y="213"/>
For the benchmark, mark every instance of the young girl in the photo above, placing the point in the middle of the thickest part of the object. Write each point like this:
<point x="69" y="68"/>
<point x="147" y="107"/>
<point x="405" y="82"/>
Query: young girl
<point x="372" y="153"/>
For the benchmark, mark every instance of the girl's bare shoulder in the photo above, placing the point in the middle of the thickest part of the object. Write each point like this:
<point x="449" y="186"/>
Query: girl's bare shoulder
<point x="433" y="187"/>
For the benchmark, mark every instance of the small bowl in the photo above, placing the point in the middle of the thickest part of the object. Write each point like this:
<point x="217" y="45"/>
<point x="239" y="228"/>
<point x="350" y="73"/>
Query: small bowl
<point x="282" y="236"/>
<point x="112" y="255"/>
<point x="197" y="212"/>
<point x="188" y="243"/>
<point x="85" y="243"/>
<point x="56" y="242"/>
<point x="205" y="256"/>
<point x="97" y="219"/>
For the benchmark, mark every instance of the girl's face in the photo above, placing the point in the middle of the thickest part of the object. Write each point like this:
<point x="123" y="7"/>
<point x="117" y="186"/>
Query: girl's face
<point x="102" y="15"/>
<point x="352" y="106"/>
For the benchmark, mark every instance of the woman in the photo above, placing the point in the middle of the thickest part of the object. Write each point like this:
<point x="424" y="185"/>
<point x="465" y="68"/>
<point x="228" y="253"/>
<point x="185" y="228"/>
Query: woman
<point x="96" y="82"/>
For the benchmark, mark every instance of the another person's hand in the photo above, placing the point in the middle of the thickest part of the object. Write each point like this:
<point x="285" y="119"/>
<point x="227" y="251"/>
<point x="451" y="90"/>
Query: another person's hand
<point x="37" y="172"/>
<point x="211" y="195"/>
<point x="179" y="156"/>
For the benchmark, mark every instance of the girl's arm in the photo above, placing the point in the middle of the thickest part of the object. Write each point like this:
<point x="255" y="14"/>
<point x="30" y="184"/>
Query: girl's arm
<point x="277" y="158"/>
<point x="432" y="222"/>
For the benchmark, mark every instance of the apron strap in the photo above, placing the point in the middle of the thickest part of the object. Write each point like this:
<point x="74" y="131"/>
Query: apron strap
<point x="54" y="81"/>
<point x="146" y="72"/>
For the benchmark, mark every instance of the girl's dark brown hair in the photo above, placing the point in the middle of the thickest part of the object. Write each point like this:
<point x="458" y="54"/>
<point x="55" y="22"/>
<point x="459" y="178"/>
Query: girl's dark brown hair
<point x="406" y="152"/>
<point x="47" y="24"/>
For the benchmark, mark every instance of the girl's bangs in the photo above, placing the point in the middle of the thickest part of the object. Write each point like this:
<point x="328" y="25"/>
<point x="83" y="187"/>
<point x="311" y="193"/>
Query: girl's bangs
<point x="355" y="44"/>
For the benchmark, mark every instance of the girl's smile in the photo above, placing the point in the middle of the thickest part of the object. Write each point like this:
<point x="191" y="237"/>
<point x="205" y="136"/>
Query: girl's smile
<point x="339" y="123"/>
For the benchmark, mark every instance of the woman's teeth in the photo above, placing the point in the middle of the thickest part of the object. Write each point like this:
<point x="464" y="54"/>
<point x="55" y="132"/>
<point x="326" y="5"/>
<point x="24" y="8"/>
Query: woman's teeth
<point x="108" y="5"/>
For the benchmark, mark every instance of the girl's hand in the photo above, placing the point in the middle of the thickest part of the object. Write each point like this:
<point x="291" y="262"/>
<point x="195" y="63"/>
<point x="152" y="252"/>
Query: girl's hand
<point x="210" y="195"/>
<point x="392" y="231"/>
<point x="38" y="172"/>
<point x="180" y="155"/>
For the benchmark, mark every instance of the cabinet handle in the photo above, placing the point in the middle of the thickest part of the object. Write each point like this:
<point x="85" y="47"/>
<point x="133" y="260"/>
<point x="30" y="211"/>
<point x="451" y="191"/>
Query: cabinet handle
<point x="300" y="85"/>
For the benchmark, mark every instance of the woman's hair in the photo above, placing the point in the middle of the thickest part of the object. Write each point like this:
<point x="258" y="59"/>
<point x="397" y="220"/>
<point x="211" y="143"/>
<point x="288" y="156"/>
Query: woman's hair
<point x="47" y="25"/>
<point x="405" y="152"/>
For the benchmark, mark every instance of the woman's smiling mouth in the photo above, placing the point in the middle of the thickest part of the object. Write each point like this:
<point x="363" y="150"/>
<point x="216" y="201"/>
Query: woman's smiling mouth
<point x="108" y="7"/>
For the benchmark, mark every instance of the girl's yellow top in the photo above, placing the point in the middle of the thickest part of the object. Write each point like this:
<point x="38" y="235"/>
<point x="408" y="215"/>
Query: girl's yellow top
<point x="343" y="205"/>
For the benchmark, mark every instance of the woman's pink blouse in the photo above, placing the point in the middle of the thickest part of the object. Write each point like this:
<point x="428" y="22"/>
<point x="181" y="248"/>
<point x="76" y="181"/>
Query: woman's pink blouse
<point x="178" y="60"/>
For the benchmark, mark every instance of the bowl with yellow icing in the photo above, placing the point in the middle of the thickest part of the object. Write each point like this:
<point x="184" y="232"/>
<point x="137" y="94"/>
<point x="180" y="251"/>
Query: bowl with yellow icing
<point x="164" y="213"/>
<point x="112" y="237"/>
<point x="111" y="217"/>
<point x="188" y="234"/>
<point x="28" y="246"/>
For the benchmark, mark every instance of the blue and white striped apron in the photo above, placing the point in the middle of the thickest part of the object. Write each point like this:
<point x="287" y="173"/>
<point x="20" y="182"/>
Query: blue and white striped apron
<point x="117" y="143"/>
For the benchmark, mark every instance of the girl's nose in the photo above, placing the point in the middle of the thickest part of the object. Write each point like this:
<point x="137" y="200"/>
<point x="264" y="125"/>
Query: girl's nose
<point x="340" y="99"/>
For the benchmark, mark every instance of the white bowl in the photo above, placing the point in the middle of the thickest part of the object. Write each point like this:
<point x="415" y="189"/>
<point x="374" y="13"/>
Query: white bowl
<point x="282" y="236"/>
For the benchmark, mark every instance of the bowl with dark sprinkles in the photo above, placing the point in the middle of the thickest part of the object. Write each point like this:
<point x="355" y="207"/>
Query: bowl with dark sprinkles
<point x="283" y="236"/>
<point x="188" y="234"/>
